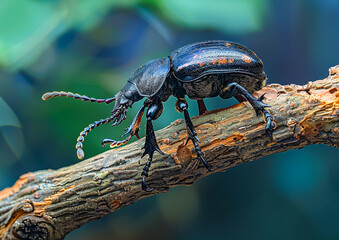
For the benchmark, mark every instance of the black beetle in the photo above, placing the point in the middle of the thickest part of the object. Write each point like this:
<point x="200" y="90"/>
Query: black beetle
<point x="199" y="70"/>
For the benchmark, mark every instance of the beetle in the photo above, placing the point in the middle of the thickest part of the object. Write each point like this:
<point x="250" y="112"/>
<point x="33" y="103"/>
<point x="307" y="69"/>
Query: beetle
<point x="199" y="70"/>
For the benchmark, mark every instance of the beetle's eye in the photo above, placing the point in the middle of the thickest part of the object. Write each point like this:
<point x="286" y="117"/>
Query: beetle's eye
<point x="128" y="95"/>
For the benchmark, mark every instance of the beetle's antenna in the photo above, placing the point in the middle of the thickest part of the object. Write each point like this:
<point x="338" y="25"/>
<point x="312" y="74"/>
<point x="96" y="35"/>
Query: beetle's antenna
<point x="83" y="98"/>
<point x="81" y="138"/>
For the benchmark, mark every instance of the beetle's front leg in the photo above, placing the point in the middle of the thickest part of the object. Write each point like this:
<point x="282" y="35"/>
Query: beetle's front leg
<point x="181" y="106"/>
<point x="236" y="90"/>
<point x="151" y="145"/>
<point x="133" y="129"/>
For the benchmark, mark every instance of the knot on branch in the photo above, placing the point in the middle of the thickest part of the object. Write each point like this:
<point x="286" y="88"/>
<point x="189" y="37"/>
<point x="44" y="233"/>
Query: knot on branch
<point x="24" y="207"/>
<point x="21" y="224"/>
<point x="30" y="227"/>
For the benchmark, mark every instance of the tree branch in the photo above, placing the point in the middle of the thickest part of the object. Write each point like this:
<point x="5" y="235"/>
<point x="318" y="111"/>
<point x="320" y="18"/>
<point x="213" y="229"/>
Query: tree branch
<point x="49" y="204"/>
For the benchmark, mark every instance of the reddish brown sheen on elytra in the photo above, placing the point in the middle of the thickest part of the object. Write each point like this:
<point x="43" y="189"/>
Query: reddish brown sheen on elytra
<point x="224" y="60"/>
<point x="246" y="59"/>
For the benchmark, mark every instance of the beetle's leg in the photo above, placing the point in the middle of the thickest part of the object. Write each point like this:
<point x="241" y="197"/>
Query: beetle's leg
<point x="151" y="145"/>
<point x="78" y="146"/>
<point x="81" y="138"/>
<point x="114" y="143"/>
<point x="133" y="129"/>
<point x="83" y="98"/>
<point x="181" y="106"/>
<point x="202" y="106"/>
<point x="236" y="90"/>
<point x="239" y="98"/>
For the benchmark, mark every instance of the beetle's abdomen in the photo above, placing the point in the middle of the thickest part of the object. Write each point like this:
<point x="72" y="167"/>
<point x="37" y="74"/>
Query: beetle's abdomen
<point x="212" y="57"/>
<point x="212" y="85"/>
<point x="204" y="87"/>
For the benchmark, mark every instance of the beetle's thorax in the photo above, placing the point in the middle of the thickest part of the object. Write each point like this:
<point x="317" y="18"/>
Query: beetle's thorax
<point x="150" y="77"/>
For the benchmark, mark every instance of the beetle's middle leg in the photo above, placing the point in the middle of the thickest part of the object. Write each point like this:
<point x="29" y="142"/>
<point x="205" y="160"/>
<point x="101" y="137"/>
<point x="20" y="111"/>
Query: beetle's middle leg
<point x="181" y="106"/>
<point x="236" y="90"/>
<point x="201" y="106"/>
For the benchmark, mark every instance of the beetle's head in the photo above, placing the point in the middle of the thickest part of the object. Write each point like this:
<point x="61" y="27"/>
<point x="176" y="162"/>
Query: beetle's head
<point x="123" y="100"/>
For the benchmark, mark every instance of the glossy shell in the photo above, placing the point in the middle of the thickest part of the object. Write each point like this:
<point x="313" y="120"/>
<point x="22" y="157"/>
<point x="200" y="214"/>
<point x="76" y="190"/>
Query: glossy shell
<point x="196" y="60"/>
<point x="150" y="77"/>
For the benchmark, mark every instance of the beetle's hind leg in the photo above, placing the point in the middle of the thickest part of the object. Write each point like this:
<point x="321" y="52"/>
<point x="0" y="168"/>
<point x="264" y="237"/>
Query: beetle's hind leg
<point x="181" y="106"/>
<point x="237" y="91"/>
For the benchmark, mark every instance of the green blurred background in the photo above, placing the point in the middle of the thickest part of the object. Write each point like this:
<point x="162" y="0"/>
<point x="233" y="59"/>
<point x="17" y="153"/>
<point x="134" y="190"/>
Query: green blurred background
<point x="91" y="47"/>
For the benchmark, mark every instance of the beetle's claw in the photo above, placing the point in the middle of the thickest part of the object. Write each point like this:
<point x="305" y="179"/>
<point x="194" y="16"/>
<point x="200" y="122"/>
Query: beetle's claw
<point x="144" y="185"/>
<point x="192" y="135"/>
<point x="259" y="106"/>
<point x="201" y="156"/>
<point x="115" y="143"/>
<point x="106" y="141"/>
<point x="270" y="124"/>
<point x="144" y="174"/>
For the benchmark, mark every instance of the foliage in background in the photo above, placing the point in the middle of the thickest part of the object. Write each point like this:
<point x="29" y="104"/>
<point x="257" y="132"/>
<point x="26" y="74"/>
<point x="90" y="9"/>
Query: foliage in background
<point x="28" y="27"/>
<point x="10" y="129"/>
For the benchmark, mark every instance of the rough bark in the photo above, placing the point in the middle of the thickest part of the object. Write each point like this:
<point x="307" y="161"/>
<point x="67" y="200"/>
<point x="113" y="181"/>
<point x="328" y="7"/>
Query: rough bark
<point x="49" y="204"/>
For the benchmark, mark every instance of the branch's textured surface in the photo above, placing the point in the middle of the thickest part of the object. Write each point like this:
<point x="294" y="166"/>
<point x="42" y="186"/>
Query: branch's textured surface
<point x="49" y="204"/>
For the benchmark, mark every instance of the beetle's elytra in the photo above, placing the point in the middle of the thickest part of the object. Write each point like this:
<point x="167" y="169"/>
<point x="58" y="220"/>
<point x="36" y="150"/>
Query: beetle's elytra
<point x="199" y="70"/>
